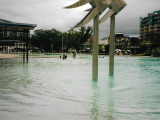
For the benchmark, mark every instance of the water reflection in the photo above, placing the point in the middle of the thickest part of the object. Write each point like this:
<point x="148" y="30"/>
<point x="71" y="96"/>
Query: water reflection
<point x="111" y="80"/>
<point x="95" y="97"/>
<point x="14" y="78"/>
<point x="26" y="79"/>
<point x="103" y="101"/>
<point x="111" y="114"/>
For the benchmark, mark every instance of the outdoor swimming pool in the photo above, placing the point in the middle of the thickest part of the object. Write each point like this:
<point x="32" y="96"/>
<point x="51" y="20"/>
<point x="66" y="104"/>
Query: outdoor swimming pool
<point x="56" y="89"/>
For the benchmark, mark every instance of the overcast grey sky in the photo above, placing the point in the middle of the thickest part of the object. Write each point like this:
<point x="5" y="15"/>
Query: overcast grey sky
<point x="50" y="14"/>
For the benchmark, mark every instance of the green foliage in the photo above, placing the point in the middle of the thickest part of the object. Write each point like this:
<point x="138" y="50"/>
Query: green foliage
<point x="134" y="41"/>
<point x="156" y="52"/>
<point x="124" y="48"/>
<point x="46" y="39"/>
<point x="75" y="38"/>
<point x="107" y="49"/>
<point x="49" y="40"/>
<point x="143" y="48"/>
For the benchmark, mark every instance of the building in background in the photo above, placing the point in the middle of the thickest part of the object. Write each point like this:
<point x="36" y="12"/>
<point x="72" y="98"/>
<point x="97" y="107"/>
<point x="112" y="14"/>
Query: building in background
<point x="121" y="40"/>
<point x="149" y="32"/>
<point x="134" y="44"/>
<point x="13" y="35"/>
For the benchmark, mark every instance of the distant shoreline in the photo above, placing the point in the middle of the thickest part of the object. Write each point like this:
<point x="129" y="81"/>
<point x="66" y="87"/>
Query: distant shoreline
<point x="55" y="55"/>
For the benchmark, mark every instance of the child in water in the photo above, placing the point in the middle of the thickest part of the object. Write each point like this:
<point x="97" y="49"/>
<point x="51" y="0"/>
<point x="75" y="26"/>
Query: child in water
<point x="65" y="56"/>
<point x="74" y="54"/>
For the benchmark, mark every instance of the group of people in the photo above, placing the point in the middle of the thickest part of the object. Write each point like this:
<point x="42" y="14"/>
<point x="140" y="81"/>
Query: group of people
<point x="65" y="55"/>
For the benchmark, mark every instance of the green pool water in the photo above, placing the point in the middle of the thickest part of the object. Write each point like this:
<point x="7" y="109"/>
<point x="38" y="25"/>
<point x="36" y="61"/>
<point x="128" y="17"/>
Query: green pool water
<point x="56" y="89"/>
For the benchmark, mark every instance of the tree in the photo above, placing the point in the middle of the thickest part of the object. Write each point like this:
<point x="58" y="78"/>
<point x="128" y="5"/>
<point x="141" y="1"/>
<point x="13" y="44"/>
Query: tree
<point x="50" y="40"/>
<point x="47" y="40"/>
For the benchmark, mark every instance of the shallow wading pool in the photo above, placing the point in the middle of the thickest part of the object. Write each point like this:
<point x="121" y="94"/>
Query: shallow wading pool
<point x="56" y="89"/>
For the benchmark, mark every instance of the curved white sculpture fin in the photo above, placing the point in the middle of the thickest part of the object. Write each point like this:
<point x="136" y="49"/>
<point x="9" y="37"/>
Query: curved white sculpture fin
<point x="116" y="7"/>
<point x="89" y="16"/>
<point x="89" y="9"/>
<point x="78" y="4"/>
<point x="106" y="16"/>
<point x="98" y="7"/>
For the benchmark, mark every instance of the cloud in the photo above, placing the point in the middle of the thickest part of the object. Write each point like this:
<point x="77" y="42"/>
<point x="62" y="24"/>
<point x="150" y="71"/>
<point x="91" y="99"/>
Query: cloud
<point x="50" y="13"/>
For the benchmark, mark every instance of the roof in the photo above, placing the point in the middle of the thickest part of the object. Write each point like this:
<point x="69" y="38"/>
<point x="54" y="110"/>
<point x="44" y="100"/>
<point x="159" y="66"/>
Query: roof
<point x="103" y="42"/>
<point x="135" y="36"/>
<point x="157" y="12"/>
<point x="150" y="19"/>
<point x="14" y="24"/>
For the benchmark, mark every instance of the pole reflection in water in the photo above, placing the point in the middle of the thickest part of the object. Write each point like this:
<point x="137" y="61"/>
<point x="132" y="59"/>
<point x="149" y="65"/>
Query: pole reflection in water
<point x="103" y="101"/>
<point x="95" y="97"/>
<point x="110" y="102"/>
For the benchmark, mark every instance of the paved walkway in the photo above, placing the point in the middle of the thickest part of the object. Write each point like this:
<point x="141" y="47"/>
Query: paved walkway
<point x="8" y="55"/>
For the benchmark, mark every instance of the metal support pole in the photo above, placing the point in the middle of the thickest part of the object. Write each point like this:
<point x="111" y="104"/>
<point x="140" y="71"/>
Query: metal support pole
<point x="24" y="47"/>
<point x="62" y="43"/>
<point x="95" y="48"/>
<point x="52" y="46"/>
<point x="27" y="45"/>
<point x="24" y="52"/>
<point x="112" y="45"/>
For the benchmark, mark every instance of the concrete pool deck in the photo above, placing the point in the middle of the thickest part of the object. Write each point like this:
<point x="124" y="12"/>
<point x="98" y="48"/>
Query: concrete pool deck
<point x="30" y="56"/>
<point x="9" y="55"/>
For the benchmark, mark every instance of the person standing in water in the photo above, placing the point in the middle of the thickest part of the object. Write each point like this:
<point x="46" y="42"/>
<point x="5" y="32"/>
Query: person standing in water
<point x="75" y="53"/>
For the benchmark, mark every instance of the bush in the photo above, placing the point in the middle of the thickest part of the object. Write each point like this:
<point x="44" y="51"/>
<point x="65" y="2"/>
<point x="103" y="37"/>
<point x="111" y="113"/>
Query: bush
<point x="156" y="52"/>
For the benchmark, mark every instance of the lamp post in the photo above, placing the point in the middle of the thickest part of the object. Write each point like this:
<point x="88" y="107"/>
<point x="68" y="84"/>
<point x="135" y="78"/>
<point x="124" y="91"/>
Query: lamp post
<point x="62" y="42"/>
